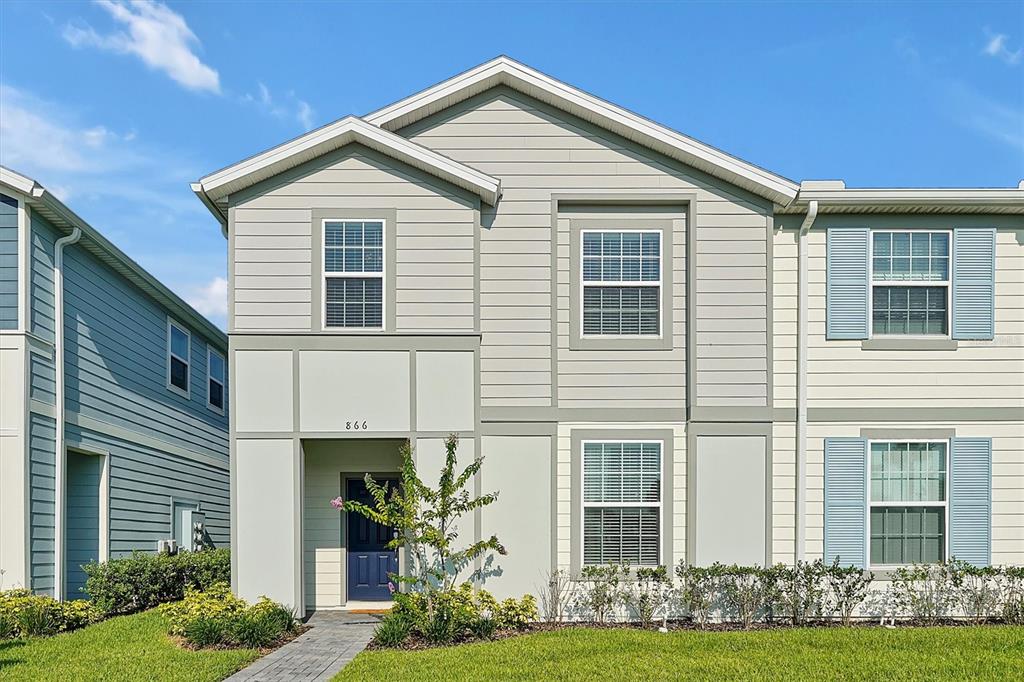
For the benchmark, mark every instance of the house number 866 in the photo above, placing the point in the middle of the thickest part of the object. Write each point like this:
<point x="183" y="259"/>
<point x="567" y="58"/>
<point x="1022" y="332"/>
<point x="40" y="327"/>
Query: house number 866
<point x="356" y="425"/>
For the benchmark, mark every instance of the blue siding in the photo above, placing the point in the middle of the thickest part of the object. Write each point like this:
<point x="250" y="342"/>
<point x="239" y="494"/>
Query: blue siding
<point x="846" y="461"/>
<point x="970" y="500"/>
<point x="41" y="486"/>
<point x="115" y="373"/>
<point x="846" y="283"/>
<point x="8" y="262"/>
<point x="83" y="518"/>
<point x="974" y="283"/>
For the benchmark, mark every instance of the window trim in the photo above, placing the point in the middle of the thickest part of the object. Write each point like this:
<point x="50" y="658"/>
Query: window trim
<point x="660" y="505"/>
<point x="948" y="283"/>
<point x="324" y="275"/>
<point x="871" y="504"/>
<point x="186" y="392"/>
<point x="209" y="377"/>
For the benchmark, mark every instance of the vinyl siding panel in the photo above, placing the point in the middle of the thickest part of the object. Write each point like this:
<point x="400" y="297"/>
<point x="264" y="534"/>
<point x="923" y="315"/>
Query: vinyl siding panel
<point x="843" y="374"/>
<point x="273" y="242"/>
<point x="8" y="262"/>
<point x="42" y="238"/>
<point x="537" y="151"/>
<point x="41" y="435"/>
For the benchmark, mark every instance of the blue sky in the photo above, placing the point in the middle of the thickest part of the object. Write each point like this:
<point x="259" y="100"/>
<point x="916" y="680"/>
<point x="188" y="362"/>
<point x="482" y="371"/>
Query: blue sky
<point x="118" y="106"/>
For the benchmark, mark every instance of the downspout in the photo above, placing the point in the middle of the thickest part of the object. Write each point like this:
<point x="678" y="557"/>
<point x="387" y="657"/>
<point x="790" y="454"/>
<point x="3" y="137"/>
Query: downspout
<point x="60" y="460"/>
<point x="801" y="382"/>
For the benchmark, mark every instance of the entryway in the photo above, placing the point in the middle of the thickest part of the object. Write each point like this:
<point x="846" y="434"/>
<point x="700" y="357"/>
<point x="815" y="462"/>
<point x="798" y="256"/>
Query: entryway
<point x="369" y="560"/>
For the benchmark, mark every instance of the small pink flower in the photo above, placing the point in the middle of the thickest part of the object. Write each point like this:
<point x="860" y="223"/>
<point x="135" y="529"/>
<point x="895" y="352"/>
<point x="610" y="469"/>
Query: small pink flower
<point x="338" y="503"/>
<point x="391" y="587"/>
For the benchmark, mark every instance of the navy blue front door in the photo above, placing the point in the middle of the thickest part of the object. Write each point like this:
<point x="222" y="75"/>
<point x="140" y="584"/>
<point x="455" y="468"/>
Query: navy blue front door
<point x="369" y="561"/>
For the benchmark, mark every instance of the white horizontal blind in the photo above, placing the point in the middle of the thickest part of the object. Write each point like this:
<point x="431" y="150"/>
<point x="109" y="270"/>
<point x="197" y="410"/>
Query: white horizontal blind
<point x="622" y="502"/>
<point x="621" y="275"/>
<point x="354" y="274"/>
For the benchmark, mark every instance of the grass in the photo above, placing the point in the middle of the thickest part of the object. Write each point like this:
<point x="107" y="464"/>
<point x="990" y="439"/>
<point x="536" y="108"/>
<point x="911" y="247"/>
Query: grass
<point x="125" y="648"/>
<point x="944" y="653"/>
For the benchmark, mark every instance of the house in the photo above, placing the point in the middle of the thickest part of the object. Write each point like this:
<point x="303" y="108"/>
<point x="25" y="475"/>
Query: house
<point x="664" y="353"/>
<point x="113" y="402"/>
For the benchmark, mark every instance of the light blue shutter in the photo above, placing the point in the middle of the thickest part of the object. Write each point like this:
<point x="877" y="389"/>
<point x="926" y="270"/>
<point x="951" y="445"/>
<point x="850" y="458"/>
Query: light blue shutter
<point x="846" y="499"/>
<point x="974" y="283"/>
<point x="847" y="285"/>
<point x="970" y="500"/>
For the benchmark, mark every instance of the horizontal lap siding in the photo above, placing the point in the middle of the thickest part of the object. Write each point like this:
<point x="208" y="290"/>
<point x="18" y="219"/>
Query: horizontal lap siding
<point x="842" y="374"/>
<point x="434" y="250"/>
<point x="41" y="438"/>
<point x="8" y="263"/>
<point x="538" y="151"/>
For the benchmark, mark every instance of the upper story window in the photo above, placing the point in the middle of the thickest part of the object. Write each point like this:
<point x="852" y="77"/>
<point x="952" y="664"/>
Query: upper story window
<point x="622" y="502"/>
<point x="910" y="283"/>
<point x="179" y="346"/>
<point x="908" y="502"/>
<point x="354" y="274"/>
<point x="622" y="283"/>
<point x="215" y="372"/>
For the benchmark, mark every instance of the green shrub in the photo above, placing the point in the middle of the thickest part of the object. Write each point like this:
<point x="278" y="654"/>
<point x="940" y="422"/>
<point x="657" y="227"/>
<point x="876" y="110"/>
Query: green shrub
<point x="649" y="594"/>
<point x="483" y="627"/>
<point x="976" y="590"/>
<point x="797" y="591"/>
<point x="392" y="631"/>
<point x="922" y="592"/>
<point x="847" y="588"/>
<point x="1013" y="595"/>
<point x="745" y="591"/>
<point x="515" y="614"/>
<point x="217" y="617"/>
<point x="24" y="614"/>
<point x="698" y="590"/>
<point x="142" y="581"/>
<point x="455" y="615"/>
<point x="601" y="590"/>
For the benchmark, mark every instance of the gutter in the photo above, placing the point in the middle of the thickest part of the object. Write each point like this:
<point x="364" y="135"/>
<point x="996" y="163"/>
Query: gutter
<point x="211" y="206"/>
<point x="801" y="382"/>
<point x="60" y="459"/>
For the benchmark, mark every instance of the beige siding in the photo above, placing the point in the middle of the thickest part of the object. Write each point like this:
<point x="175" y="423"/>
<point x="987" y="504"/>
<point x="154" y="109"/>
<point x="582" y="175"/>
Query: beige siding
<point x="538" y="151"/>
<point x="842" y="374"/>
<point x="272" y="237"/>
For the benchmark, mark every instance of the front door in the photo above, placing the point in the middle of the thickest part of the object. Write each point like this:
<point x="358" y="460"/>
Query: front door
<point x="369" y="560"/>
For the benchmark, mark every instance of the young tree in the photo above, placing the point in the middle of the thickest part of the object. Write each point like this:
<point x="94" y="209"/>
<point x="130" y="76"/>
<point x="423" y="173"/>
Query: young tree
<point x="426" y="520"/>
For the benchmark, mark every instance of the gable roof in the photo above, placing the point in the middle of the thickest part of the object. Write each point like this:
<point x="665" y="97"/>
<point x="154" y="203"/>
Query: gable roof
<point x="506" y="71"/>
<point x="215" y="187"/>
<point x="43" y="202"/>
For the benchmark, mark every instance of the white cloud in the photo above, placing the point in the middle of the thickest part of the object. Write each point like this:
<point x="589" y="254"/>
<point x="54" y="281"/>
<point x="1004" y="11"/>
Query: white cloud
<point x="155" y="34"/>
<point x="292" y="109"/>
<point x="211" y="299"/>
<point x="997" y="46"/>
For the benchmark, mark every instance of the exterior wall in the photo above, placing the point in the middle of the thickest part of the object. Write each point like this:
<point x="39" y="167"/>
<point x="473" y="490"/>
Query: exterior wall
<point x="161" y="446"/>
<point x="13" y="462"/>
<point x="273" y="250"/>
<point x="8" y="262"/>
<point x="540" y="153"/>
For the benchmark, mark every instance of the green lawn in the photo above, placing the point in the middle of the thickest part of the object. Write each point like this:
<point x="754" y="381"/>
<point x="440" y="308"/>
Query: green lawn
<point x="989" y="653"/>
<point x="125" y="648"/>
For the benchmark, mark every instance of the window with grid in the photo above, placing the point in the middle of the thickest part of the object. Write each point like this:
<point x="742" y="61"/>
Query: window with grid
<point x="908" y="502"/>
<point x="354" y="274"/>
<point x="910" y="283"/>
<point x="622" y="502"/>
<point x="621" y="283"/>
<point x="179" y="344"/>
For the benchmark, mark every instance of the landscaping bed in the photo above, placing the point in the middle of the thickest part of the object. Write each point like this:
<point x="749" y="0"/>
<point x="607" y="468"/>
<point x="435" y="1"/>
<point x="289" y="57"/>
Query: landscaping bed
<point x="782" y="653"/>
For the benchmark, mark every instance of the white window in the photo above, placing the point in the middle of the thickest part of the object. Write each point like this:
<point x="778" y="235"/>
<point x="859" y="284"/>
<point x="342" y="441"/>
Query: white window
<point x="179" y="347"/>
<point x="215" y="380"/>
<point x="908" y="502"/>
<point x="354" y="274"/>
<point x="910" y="283"/>
<point x="622" y="502"/>
<point x="621" y="282"/>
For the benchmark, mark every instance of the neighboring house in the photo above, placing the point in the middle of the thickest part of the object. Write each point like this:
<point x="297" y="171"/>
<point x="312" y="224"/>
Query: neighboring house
<point x="113" y="426"/>
<point x="664" y="353"/>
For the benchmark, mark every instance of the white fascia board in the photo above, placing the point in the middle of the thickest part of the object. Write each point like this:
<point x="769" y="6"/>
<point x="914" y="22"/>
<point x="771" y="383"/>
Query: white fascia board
<point x="835" y="198"/>
<point x="334" y="136"/>
<point x="506" y="71"/>
<point x="17" y="181"/>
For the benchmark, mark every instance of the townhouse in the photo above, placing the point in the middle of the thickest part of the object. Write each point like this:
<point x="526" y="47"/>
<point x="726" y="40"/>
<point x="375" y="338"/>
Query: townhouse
<point x="113" y="402"/>
<point x="664" y="353"/>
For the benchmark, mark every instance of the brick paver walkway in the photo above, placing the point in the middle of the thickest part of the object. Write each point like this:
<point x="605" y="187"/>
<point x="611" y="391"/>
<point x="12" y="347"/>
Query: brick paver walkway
<point x="334" y="639"/>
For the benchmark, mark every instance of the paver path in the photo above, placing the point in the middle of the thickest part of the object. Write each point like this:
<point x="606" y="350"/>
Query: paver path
<point x="334" y="639"/>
